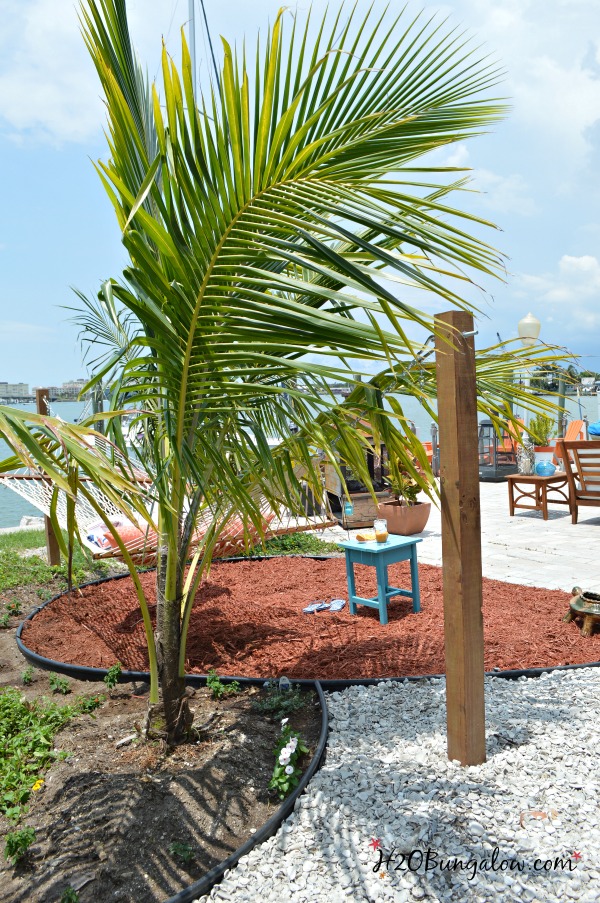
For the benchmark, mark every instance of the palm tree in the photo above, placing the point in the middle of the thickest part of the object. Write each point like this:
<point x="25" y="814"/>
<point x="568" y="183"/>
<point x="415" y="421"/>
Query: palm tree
<point x="277" y="226"/>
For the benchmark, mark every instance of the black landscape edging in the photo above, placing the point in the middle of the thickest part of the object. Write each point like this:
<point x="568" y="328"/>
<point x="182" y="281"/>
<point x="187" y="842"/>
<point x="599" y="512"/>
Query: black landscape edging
<point x="208" y="881"/>
<point x="82" y="672"/>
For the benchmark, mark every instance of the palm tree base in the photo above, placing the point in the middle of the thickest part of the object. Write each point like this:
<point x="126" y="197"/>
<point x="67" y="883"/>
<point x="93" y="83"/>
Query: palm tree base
<point x="171" y="723"/>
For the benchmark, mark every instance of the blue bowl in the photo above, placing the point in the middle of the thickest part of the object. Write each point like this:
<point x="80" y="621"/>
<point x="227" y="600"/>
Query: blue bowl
<point x="545" y="469"/>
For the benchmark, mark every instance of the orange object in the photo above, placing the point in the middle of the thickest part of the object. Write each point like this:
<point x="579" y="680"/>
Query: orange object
<point x="582" y="466"/>
<point x="573" y="433"/>
<point x="365" y="537"/>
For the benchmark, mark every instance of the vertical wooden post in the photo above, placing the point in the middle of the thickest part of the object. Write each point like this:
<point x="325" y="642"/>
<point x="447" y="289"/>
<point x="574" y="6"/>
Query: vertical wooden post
<point x="461" y="537"/>
<point x="98" y="405"/>
<point x="52" y="548"/>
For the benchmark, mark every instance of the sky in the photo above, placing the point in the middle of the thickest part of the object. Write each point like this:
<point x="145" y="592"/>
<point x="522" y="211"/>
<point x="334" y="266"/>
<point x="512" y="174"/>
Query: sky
<point x="537" y="171"/>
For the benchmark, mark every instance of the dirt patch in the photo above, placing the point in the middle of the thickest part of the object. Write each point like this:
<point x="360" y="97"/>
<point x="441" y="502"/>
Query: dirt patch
<point x="106" y="816"/>
<point x="247" y="620"/>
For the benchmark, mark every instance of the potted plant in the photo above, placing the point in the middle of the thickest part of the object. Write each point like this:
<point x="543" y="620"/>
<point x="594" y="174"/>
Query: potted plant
<point x="540" y="429"/>
<point x="404" y="514"/>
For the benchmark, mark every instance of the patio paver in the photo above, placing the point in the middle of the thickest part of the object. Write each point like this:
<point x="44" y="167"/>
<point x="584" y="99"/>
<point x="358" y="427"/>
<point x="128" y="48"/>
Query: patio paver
<point x="525" y="548"/>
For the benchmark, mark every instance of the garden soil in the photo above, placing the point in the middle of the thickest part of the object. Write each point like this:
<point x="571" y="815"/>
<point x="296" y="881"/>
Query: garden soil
<point x="113" y="820"/>
<point x="248" y="621"/>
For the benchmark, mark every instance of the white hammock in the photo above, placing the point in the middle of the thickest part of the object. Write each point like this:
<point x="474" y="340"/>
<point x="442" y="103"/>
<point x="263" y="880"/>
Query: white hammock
<point x="138" y="538"/>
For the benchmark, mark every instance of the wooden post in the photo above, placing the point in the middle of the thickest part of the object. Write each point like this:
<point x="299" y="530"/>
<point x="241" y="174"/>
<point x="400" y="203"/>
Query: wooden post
<point x="98" y="405"/>
<point x="461" y="537"/>
<point x="52" y="548"/>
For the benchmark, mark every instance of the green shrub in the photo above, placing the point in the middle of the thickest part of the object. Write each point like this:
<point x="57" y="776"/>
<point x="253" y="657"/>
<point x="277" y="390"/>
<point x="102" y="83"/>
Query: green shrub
<point x="59" y="684"/>
<point x="294" y="544"/>
<point x="111" y="678"/>
<point x="218" y="688"/>
<point x="27" y="733"/>
<point x="182" y="851"/>
<point x="277" y="704"/>
<point x="88" y="704"/>
<point x="540" y="429"/>
<point x="287" y="773"/>
<point x="18" y="843"/>
<point x="69" y="895"/>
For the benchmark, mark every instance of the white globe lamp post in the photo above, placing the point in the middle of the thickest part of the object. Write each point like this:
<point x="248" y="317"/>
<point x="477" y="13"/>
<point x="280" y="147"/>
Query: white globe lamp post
<point x="529" y="330"/>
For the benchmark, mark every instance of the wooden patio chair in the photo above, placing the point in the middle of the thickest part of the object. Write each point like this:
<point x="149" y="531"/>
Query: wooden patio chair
<point x="573" y="433"/>
<point x="582" y="468"/>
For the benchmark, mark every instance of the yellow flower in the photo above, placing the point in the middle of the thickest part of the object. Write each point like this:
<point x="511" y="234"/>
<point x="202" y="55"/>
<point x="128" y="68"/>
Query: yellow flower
<point x="38" y="784"/>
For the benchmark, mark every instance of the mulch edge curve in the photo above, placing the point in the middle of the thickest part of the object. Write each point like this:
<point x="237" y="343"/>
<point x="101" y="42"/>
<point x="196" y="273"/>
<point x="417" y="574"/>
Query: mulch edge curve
<point x="83" y="672"/>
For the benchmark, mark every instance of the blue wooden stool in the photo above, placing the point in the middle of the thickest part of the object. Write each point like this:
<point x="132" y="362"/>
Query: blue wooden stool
<point x="379" y="555"/>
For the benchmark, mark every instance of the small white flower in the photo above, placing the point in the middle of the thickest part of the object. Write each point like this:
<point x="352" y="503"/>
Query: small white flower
<point x="292" y="743"/>
<point x="284" y="721"/>
<point x="289" y="769"/>
<point x="284" y="757"/>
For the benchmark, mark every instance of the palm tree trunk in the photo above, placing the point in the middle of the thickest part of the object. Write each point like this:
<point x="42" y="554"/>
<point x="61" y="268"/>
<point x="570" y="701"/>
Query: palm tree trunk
<point x="171" y="718"/>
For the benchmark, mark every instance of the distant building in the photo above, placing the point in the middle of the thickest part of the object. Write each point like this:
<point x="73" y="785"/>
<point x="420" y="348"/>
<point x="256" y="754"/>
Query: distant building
<point x="68" y="391"/>
<point x="14" y="390"/>
<point x="73" y="387"/>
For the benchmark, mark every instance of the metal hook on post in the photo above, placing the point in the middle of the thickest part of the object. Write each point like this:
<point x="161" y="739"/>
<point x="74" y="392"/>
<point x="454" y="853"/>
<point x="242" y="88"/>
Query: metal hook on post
<point x="422" y="354"/>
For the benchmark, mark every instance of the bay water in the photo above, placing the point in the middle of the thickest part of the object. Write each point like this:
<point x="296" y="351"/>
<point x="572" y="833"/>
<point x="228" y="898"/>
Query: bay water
<point x="13" y="507"/>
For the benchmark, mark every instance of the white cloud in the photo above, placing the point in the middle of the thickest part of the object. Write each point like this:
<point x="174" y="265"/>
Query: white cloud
<point x="562" y="101"/>
<point x="550" y="77"/>
<point x="48" y="86"/>
<point x="49" y="89"/>
<point x="504" y="194"/>
<point x="458" y="156"/>
<point x="500" y="193"/>
<point x="569" y="297"/>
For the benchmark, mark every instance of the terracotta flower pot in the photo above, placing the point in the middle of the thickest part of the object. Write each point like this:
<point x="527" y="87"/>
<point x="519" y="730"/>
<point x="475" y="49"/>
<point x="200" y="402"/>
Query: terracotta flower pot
<point x="404" y="520"/>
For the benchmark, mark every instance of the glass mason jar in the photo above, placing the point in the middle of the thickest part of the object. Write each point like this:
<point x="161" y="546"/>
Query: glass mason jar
<point x="381" y="530"/>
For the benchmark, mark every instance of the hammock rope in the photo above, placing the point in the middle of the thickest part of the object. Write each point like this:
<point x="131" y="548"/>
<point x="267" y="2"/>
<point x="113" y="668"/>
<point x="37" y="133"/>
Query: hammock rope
<point x="139" y="539"/>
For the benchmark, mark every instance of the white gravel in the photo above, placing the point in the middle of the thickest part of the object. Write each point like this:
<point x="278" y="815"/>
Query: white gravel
<point x="387" y="777"/>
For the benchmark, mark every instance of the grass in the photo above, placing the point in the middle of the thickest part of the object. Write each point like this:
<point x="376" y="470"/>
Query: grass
<point x="295" y="544"/>
<point x="22" y="540"/>
<point x="17" y="571"/>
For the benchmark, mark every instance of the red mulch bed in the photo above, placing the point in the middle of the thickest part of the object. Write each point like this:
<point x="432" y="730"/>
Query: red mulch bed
<point x="248" y="621"/>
